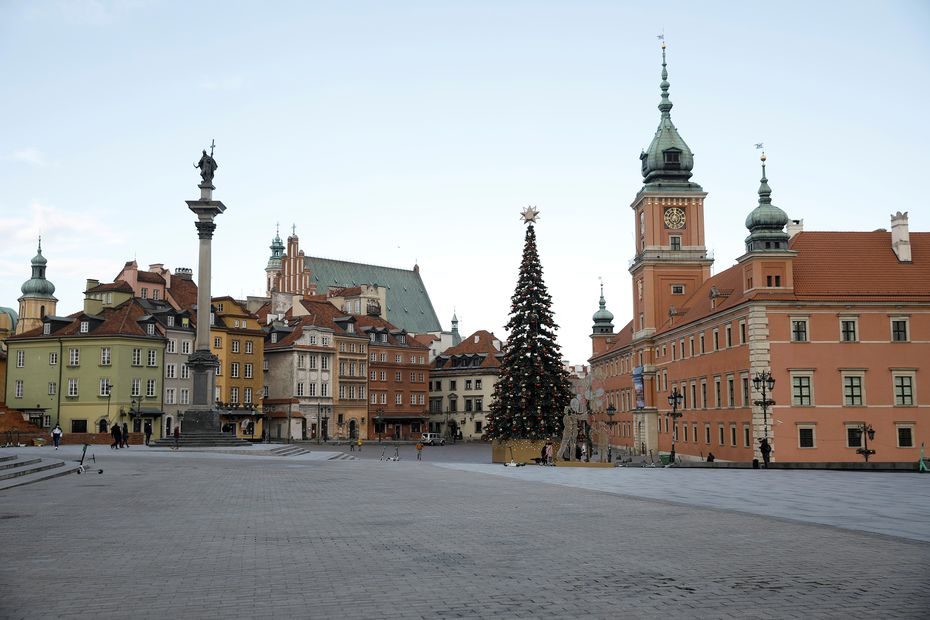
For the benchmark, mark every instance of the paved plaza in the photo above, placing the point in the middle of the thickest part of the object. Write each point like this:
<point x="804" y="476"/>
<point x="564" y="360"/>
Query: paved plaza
<point x="215" y="534"/>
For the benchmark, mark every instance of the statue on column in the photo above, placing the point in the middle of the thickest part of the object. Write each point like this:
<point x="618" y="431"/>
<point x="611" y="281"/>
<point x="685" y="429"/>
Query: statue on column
<point x="207" y="166"/>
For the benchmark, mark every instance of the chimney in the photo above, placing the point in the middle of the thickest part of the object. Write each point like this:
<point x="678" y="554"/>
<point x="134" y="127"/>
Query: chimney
<point x="794" y="227"/>
<point x="91" y="284"/>
<point x="900" y="237"/>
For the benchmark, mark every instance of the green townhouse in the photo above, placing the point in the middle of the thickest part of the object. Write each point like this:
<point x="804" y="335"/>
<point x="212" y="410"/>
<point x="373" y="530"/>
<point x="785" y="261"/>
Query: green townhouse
<point x="90" y="370"/>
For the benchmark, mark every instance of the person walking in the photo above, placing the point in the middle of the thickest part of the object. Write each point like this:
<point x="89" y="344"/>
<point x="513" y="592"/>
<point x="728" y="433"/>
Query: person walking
<point x="766" y="449"/>
<point x="359" y="444"/>
<point x="125" y="435"/>
<point x="56" y="435"/>
<point x="148" y="432"/>
<point x="117" y="437"/>
<point x="419" y="450"/>
<point x="352" y="446"/>
<point x="548" y="452"/>
<point x="177" y="438"/>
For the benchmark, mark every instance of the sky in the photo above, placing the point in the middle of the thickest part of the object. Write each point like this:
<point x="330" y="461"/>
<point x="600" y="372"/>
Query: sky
<point x="404" y="132"/>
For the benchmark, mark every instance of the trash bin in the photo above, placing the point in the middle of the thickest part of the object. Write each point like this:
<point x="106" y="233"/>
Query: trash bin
<point x="664" y="458"/>
<point x="755" y="463"/>
<point x="38" y="441"/>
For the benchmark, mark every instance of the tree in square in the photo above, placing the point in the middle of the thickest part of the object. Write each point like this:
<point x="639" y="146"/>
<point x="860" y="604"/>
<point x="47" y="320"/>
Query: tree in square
<point x="533" y="389"/>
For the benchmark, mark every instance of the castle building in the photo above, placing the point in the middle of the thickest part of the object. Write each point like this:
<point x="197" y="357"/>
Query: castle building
<point x="840" y="321"/>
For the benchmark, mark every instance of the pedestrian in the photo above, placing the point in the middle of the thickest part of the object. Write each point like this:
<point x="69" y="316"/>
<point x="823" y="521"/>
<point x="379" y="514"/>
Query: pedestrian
<point x="177" y="438"/>
<point x="125" y="435"/>
<point x="549" y="451"/>
<point x="117" y="437"/>
<point x="351" y="446"/>
<point x="610" y="454"/>
<point x="766" y="449"/>
<point x="584" y="451"/>
<point x="419" y="451"/>
<point x="148" y="432"/>
<point x="671" y="457"/>
<point x="359" y="444"/>
<point x="542" y="455"/>
<point x="56" y="435"/>
<point x="710" y="457"/>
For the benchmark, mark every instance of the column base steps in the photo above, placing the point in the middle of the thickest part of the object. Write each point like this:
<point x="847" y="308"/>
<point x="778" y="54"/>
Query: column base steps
<point x="17" y="471"/>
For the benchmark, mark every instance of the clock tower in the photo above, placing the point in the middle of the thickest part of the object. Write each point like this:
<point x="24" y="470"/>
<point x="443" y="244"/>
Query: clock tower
<point x="671" y="261"/>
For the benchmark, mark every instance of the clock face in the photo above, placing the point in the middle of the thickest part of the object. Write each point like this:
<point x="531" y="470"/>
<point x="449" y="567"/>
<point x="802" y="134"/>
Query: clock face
<point x="675" y="218"/>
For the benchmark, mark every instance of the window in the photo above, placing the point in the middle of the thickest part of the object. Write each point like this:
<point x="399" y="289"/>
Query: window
<point x="397" y="376"/>
<point x="153" y="358"/>
<point x="718" y="401"/>
<point x="801" y="390"/>
<point x="312" y="338"/>
<point x="402" y="339"/>
<point x="218" y="342"/>
<point x="171" y="346"/>
<point x="374" y="398"/>
<point x="374" y="375"/>
<point x="477" y="384"/>
<point x="899" y="330"/>
<point x="185" y="371"/>
<point x="234" y="370"/>
<point x="20" y="359"/>
<point x="703" y="394"/>
<point x="721" y="433"/>
<point x="742" y="332"/>
<point x="398" y="398"/>
<point x="72" y="387"/>
<point x="678" y="289"/>
<point x="145" y="293"/>
<point x="383" y="375"/>
<point x="479" y="403"/>
<point x="47" y="329"/>
<point x="169" y="396"/>
<point x="806" y="437"/>
<point x="452" y="385"/>
<point x="78" y="426"/>
<point x="234" y="395"/>
<point x="248" y="396"/>
<point x="135" y="387"/>
<point x="19" y="389"/>
<point x="150" y="388"/>
<point x="903" y="390"/>
<point x="382" y="357"/>
<point x="852" y="390"/>
<point x="274" y="337"/>
<point x="703" y="350"/>
<point x="248" y="347"/>
<point x="300" y="388"/>
<point x="324" y="362"/>
<point x="675" y="243"/>
<point x="398" y="359"/>
<point x="170" y="320"/>
<point x="799" y="330"/>
<point x="185" y="396"/>
<point x="155" y="293"/>
<point x="420" y="359"/>
<point x="731" y="395"/>
<point x="53" y="358"/>
<point x="74" y="357"/>
<point x="745" y="381"/>
<point x="150" y="329"/>
<point x="691" y="346"/>
<point x="185" y="347"/>
<point x="248" y="371"/>
<point x="707" y="434"/>
<point x="170" y="371"/>
<point x="52" y="388"/>
<point x="848" y="330"/>
<point x="853" y="436"/>
<point x="672" y="157"/>
<point x="716" y="340"/>
<point x="301" y="360"/>
<point x="137" y="357"/>
<point x="733" y="435"/>
<point x="312" y="360"/>
<point x="905" y="435"/>
<point x="413" y="399"/>
<point x="729" y="336"/>
<point x="235" y="346"/>
<point x="746" y="439"/>
<point x="85" y="327"/>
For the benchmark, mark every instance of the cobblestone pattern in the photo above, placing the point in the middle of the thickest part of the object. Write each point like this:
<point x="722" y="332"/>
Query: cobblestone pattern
<point x="223" y="538"/>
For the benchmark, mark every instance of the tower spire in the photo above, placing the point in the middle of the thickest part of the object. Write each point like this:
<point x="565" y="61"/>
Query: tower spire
<point x="665" y="106"/>
<point x="766" y="222"/>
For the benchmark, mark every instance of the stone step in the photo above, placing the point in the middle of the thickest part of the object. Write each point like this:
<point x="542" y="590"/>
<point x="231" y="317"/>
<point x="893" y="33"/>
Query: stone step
<point x="19" y="463"/>
<point x="8" y="457"/>
<point x="60" y="468"/>
<point x="289" y="451"/>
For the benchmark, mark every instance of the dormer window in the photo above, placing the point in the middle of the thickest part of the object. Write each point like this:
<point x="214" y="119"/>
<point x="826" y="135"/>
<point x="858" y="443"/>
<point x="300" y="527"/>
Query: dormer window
<point x="371" y="336"/>
<point x="274" y="337"/>
<point x="402" y="339"/>
<point x="150" y="329"/>
<point x="85" y="327"/>
<point x="47" y="329"/>
<point x="170" y="320"/>
<point x="672" y="157"/>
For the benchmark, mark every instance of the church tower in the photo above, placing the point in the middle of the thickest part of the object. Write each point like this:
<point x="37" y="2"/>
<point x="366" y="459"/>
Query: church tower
<point x="273" y="269"/>
<point x="671" y="261"/>
<point x="38" y="298"/>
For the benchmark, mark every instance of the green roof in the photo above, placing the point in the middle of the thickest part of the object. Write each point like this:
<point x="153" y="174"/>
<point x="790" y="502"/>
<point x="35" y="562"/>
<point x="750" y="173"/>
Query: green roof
<point x="408" y="303"/>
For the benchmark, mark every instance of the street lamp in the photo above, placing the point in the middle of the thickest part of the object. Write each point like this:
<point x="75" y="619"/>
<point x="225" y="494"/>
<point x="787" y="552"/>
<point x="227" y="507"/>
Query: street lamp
<point x="379" y="421"/>
<point x="611" y="410"/>
<point x="867" y="432"/>
<point x="673" y="399"/>
<point x="764" y="383"/>
<point x="109" y="387"/>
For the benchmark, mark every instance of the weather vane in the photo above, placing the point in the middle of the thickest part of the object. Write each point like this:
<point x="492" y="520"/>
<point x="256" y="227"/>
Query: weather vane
<point x="529" y="215"/>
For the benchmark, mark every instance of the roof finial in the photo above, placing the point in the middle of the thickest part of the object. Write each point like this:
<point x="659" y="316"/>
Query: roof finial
<point x="665" y="106"/>
<point x="40" y="244"/>
<point x="765" y="192"/>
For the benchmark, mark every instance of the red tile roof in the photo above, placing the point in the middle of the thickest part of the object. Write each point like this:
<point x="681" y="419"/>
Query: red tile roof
<point x="148" y="276"/>
<point x="184" y="293"/>
<point x="121" y="286"/>
<point x="121" y="320"/>
<point x="481" y="342"/>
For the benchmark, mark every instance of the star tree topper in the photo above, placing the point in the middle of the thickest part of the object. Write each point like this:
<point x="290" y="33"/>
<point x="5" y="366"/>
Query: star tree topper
<point x="529" y="215"/>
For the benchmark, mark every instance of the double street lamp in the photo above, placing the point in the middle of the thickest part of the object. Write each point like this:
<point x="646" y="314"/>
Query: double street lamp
<point x="764" y="383"/>
<point x="611" y="410"/>
<point x="866" y="432"/>
<point x="674" y="399"/>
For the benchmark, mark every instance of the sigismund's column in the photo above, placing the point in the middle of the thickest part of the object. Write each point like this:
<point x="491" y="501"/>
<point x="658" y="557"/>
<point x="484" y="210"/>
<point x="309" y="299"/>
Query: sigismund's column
<point x="203" y="417"/>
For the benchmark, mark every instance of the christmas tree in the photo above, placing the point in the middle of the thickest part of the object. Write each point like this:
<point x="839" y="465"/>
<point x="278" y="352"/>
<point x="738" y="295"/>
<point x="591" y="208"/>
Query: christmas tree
<point x="533" y="389"/>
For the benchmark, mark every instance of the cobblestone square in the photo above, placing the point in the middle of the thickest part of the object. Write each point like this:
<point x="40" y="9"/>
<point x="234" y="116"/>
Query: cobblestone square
<point x="218" y="535"/>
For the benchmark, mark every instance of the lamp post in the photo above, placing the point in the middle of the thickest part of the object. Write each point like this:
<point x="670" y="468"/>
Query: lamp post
<point x="764" y="383"/>
<point x="611" y="410"/>
<point x="867" y="432"/>
<point x="673" y="399"/>
<point x="379" y="421"/>
<point x="109" y="387"/>
<point x="324" y="430"/>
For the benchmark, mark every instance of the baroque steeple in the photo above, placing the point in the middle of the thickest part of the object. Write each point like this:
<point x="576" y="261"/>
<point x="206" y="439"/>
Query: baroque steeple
<point x="603" y="318"/>
<point x="766" y="223"/>
<point x="668" y="159"/>
<point x="37" y="285"/>
<point x="277" y="250"/>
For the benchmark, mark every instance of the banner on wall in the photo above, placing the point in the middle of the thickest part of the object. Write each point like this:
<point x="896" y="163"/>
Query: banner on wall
<point x="638" y="387"/>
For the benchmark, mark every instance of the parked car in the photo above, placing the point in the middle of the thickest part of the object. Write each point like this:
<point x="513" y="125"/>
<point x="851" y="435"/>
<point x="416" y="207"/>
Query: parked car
<point x="432" y="439"/>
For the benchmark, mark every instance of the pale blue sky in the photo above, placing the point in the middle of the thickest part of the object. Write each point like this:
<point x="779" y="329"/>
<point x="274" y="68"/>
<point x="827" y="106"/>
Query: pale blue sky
<point x="395" y="132"/>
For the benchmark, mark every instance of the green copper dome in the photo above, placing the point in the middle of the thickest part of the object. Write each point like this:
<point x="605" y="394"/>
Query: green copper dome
<point x="668" y="158"/>
<point x="38" y="286"/>
<point x="603" y="318"/>
<point x="277" y="251"/>
<point x="766" y="223"/>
